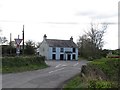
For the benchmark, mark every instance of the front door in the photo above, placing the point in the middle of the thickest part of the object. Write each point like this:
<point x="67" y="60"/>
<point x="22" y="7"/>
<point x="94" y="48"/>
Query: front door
<point x="61" y="56"/>
<point x="73" y="56"/>
<point x="54" y="56"/>
<point x="69" y="57"/>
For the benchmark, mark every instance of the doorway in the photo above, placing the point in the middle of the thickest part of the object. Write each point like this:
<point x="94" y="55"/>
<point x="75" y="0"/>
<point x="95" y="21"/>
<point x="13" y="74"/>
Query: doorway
<point x="69" y="57"/>
<point x="73" y="56"/>
<point x="53" y="56"/>
<point x="61" y="56"/>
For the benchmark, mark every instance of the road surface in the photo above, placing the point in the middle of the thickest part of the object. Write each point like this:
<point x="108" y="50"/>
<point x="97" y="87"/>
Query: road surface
<point x="52" y="77"/>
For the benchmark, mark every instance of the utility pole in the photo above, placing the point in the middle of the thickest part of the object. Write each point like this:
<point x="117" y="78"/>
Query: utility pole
<point x="10" y="39"/>
<point x="10" y="43"/>
<point x="23" y="39"/>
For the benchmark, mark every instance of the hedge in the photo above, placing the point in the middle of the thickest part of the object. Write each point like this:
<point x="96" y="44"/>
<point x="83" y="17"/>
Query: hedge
<point x="22" y="61"/>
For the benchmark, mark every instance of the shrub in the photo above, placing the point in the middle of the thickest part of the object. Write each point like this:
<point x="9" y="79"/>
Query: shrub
<point x="21" y="61"/>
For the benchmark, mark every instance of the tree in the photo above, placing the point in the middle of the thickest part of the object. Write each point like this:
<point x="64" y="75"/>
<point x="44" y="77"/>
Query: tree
<point x="8" y="50"/>
<point x="30" y="47"/>
<point x="96" y="35"/>
<point x="38" y="44"/>
<point x="90" y="44"/>
<point x="3" y="40"/>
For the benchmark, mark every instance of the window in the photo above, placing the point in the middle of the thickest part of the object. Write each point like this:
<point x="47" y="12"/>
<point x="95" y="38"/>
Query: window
<point x="74" y="50"/>
<point x="61" y="49"/>
<point x="54" y="49"/>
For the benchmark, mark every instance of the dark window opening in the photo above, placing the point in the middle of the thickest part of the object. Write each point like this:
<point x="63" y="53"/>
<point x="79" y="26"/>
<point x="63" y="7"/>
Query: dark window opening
<point x="61" y="49"/>
<point x="74" y="50"/>
<point x="54" y="50"/>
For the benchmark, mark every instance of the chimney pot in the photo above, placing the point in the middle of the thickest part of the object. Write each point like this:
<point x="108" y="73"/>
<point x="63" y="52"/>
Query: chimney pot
<point x="44" y="37"/>
<point x="71" y="38"/>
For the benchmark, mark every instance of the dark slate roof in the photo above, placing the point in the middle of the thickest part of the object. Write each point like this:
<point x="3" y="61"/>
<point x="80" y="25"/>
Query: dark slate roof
<point x="60" y="43"/>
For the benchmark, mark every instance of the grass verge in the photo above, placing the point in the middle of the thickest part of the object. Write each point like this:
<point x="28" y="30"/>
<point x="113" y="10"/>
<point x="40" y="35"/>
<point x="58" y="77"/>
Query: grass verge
<point x="76" y="82"/>
<point x="21" y="64"/>
<point x="22" y="69"/>
<point x="109" y="66"/>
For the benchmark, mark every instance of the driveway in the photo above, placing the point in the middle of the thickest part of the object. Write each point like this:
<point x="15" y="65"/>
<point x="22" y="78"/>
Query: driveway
<point x="52" y="77"/>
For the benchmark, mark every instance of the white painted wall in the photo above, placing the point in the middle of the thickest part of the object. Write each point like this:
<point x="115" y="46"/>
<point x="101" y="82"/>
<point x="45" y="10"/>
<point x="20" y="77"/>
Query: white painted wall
<point x="76" y="53"/>
<point x="50" y="53"/>
<point x="58" y="53"/>
<point x="44" y="49"/>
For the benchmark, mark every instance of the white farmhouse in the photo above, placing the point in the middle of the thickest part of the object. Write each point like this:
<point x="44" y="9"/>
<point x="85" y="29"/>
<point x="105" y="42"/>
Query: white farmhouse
<point x="54" y="49"/>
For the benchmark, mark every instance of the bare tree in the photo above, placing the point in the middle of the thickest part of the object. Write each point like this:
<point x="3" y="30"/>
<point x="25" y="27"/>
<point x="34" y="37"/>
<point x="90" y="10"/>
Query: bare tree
<point x="96" y="35"/>
<point x="91" y="43"/>
<point x="3" y="40"/>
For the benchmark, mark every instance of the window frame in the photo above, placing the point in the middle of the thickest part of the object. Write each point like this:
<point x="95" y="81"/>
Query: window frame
<point x="53" y="49"/>
<point x="74" y="50"/>
<point x="61" y="49"/>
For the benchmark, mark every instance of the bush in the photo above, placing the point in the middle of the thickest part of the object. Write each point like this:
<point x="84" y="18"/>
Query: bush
<point x="8" y="50"/>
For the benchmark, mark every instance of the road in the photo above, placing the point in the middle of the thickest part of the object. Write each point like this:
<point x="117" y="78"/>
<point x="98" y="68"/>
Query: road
<point x="52" y="77"/>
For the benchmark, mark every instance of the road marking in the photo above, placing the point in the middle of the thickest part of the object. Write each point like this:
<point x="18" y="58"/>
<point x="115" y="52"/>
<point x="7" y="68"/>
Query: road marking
<point x="57" y="65"/>
<point x="64" y="65"/>
<point x="56" y="70"/>
<point x="76" y="64"/>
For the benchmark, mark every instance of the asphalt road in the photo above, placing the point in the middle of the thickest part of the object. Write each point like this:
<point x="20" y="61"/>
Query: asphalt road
<point x="52" y="77"/>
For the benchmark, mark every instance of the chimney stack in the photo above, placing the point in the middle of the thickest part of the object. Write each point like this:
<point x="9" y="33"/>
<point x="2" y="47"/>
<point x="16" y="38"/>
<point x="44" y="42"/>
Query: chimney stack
<point x="44" y="37"/>
<point x="71" y="39"/>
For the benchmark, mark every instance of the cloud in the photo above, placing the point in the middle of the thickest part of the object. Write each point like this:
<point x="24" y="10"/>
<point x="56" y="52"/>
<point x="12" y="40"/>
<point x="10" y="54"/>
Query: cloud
<point x="95" y="15"/>
<point x="61" y="22"/>
<point x="104" y="16"/>
<point x="110" y="23"/>
<point x="88" y="13"/>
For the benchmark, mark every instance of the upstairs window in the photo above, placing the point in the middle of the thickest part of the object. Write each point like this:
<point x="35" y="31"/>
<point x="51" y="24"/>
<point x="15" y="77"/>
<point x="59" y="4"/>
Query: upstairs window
<point x="61" y="49"/>
<point x="54" y="49"/>
<point x="74" y="50"/>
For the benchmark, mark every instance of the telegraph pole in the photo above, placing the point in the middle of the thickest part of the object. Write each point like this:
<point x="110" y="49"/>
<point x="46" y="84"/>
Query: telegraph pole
<point x="23" y="39"/>
<point x="10" y="43"/>
<point x="10" y="39"/>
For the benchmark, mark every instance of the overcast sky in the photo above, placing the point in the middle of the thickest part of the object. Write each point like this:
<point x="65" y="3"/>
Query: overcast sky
<point x="58" y="19"/>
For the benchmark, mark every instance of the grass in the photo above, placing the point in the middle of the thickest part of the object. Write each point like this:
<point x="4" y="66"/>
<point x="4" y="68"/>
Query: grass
<point x="109" y="66"/>
<point x="75" y="83"/>
<point x="22" y="69"/>
<point x="21" y="64"/>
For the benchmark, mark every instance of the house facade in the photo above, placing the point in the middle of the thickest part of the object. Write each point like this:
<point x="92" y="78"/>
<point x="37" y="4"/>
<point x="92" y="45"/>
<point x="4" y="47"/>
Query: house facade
<point x="54" y="49"/>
